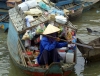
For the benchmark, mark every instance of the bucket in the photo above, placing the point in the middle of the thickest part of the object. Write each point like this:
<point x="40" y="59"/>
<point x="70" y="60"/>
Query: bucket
<point x="62" y="52"/>
<point x="70" y="57"/>
<point x="63" y="55"/>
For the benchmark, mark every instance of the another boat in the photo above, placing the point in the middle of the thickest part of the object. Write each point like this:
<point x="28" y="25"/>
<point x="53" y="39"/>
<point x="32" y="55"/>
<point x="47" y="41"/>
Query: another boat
<point x="3" y="7"/>
<point x="74" y="10"/>
<point x="3" y="11"/>
<point x="75" y="6"/>
<point x="78" y="9"/>
<point x="90" y="55"/>
<point x="24" y="59"/>
<point x="3" y="15"/>
<point x="4" y="22"/>
<point x="3" y="4"/>
<point x="87" y="4"/>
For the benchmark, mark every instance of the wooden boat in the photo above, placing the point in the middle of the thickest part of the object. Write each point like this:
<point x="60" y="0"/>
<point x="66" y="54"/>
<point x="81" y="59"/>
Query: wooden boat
<point x="4" y="17"/>
<point x="17" y="27"/>
<point x="76" y="5"/>
<point x="4" y="22"/>
<point x="3" y="11"/>
<point x="91" y="55"/>
<point x="77" y="12"/>
<point x="3" y="7"/>
<point x="87" y="5"/>
<point x="74" y="9"/>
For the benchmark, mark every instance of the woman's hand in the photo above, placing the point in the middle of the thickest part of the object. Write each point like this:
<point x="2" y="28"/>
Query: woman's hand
<point x="57" y="39"/>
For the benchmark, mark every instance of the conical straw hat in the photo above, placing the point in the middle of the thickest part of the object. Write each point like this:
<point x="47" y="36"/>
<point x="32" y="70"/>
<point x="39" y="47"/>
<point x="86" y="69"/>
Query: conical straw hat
<point x="51" y="29"/>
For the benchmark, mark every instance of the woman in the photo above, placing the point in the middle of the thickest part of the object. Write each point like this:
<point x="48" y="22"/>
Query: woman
<point x="49" y="45"/>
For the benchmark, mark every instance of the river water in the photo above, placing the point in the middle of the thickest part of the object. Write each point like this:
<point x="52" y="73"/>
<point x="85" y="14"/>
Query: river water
<point x="90" y="19"/>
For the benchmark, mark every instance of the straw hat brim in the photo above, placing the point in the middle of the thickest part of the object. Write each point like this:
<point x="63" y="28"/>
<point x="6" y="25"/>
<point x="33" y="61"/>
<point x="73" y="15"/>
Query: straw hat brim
<point x="51" y="29"/>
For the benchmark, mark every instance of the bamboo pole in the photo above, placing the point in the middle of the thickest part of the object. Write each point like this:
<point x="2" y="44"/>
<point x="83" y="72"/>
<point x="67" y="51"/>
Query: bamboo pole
<point x="87" y="46"/>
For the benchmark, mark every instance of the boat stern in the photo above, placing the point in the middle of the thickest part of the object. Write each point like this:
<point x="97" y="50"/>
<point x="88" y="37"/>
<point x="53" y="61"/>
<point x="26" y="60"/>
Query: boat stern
<point x="55" y="69"/>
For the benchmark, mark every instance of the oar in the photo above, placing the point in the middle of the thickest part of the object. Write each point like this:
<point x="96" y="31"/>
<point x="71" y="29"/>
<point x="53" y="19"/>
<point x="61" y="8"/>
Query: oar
<point x="87" y="46"/>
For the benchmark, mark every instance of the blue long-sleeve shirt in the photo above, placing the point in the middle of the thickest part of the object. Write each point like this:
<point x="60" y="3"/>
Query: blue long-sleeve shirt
<point x="45" y="44"/>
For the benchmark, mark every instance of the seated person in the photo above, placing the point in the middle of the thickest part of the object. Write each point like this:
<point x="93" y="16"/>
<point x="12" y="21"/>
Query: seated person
<point x="49" y="45"/>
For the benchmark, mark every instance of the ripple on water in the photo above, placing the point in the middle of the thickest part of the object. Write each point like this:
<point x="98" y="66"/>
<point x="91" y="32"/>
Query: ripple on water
<point x="4" y="72"/>
<point x="1" y="53"/>
<point x="2" y="48"/>
<point x="4" y="66"/>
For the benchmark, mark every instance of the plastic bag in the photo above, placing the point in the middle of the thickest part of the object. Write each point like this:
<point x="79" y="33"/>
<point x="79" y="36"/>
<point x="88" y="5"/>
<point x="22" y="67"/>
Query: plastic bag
<point x="61" y="19"/>
<point x="27" y="43"/>
<point x="25" y="36"/>
<point x="27" y="5"/>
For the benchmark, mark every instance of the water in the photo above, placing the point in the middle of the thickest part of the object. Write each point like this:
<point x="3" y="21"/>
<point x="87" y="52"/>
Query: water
<point x="89" y="19"/>
<point x="7" y="68"/>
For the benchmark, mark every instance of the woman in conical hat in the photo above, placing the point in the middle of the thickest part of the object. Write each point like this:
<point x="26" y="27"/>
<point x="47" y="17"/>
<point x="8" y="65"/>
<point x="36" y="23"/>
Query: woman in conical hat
<point x="48" y="45"/>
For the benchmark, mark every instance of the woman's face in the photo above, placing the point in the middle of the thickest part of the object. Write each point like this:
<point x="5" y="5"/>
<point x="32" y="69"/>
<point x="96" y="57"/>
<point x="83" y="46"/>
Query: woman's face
<point x="54" y="34"/>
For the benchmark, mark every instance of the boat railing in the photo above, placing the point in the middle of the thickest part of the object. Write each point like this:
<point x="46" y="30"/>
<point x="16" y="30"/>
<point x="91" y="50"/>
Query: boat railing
<point x="21" y="53"/>
<point x="4" y="18"/>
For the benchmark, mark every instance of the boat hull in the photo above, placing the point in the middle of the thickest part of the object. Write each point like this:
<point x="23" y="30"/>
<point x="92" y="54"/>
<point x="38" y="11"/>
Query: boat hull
<point x="4" y="22"/>
<point x="88" y="7"/>
<point x="5" y="26"/>
<point x="76" y="14"/>
<point x="89" y="4"/>
<point x="37" y="73"/>
<point x="3" y="5"/>
<point x="55" y="69"/>
<point x="43" y="74"/>
<point x="91" y="55"/>
<point x="3" y="11"/>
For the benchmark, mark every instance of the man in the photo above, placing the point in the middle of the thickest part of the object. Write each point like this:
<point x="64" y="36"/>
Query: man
<point x="49" y="45"/>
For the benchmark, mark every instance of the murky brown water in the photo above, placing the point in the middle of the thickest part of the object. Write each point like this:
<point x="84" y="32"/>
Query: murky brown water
<point x="7" y="68"/>
<point x="89" y="19"/>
